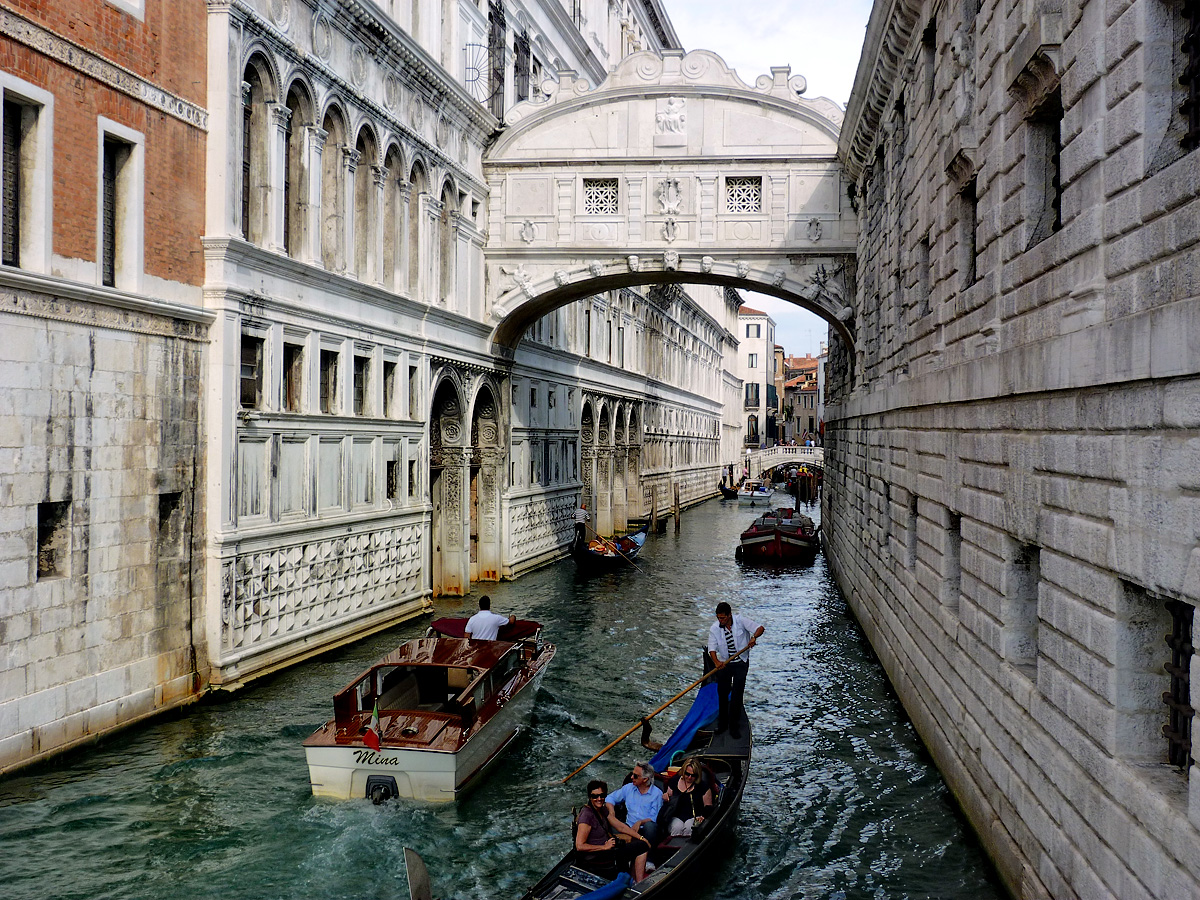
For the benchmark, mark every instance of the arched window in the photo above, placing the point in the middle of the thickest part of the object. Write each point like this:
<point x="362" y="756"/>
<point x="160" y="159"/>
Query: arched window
<point x="295" y="172"/>
<point x="393" y="221"/>
<point x="333" y="194"/>
<point x="752" y="429"/>
<point x="254" y="186"/>
<point x="364" y="206"/>
<point x="416" y="192"/>
<point x="447" y="251"/>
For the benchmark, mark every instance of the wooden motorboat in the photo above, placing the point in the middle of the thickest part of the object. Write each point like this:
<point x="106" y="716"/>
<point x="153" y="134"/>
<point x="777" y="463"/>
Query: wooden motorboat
<point x="431" y="717"/>
<point x="754" y="493"/>
<point x="677" y="860"/>
<point x="780" y="536"/>
<point x="727" y="493"/>
<point x="604" y="553"/>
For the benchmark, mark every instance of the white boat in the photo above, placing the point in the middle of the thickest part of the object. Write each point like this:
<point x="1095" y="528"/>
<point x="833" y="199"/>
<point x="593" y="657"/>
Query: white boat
<point x="754" y="493"/>
<point x="446" y="707"/>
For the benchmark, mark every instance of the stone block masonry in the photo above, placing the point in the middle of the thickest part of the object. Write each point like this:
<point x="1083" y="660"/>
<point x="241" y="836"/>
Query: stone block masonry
<point x="1011" y="509"/>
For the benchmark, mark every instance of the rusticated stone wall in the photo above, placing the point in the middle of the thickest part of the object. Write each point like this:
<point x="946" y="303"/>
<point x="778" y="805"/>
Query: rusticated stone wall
<point x="1013" y="443"/>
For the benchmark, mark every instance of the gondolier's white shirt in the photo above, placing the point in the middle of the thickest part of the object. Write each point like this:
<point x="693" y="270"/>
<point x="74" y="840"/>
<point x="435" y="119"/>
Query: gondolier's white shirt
<point x="743" y="629"/>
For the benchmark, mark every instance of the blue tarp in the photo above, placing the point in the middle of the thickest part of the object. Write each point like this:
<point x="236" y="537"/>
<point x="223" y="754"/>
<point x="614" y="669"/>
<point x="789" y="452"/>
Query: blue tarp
<point x="703" y="712"/>
<point x="614" y="888"/>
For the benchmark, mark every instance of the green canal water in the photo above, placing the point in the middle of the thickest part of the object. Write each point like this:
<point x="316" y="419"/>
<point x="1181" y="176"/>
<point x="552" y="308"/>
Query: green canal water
<point x="842" y="802"/>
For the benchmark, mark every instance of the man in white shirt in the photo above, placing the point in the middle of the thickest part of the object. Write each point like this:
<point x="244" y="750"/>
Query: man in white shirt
<point x="485" y="624"/>
<point x="581" y="517"/>
<point x="725" y="638"/>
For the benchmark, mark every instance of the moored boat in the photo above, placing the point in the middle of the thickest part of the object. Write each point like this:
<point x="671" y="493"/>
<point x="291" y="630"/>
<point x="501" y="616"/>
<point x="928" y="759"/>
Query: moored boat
<point x="754" y="493"/>
<point x="727" y="492"/>
<point x="677" y="860"/>
<point x="605" y="553"/>
<point x="430" y="718"/>
<point x="780" y="536"/>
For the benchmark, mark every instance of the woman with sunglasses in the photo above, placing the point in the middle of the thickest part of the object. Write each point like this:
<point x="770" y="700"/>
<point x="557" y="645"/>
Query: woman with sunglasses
<point x="689" y="800"/>
<point x="596" y="839"/>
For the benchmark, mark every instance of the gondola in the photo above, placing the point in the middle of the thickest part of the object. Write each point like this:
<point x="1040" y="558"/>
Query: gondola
<point x="611" y="553"/>
<point x="677" y="860"/>
<point x="727" y="493"/>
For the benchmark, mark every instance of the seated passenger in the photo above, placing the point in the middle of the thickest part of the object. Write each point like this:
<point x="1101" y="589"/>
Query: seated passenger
<point x="598" y="842"/>
<point x="688" y="800"/>
<point x="642" y="800"/>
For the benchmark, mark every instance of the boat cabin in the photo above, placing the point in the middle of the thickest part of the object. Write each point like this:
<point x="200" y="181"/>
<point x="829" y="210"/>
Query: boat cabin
<point x="456" y="677"/>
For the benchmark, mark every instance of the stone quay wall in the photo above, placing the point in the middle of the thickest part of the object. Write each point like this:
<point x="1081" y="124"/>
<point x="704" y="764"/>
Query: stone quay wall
<point x="102" y="560"/>
<point x="1013" y="442"/>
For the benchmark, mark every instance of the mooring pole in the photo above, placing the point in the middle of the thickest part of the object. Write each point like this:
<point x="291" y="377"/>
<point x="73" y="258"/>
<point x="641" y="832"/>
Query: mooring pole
<point x="677" y="509"/>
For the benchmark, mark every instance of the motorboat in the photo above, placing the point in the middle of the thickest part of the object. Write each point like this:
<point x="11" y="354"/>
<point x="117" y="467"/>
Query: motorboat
<point x="780" y="536"/>
<point x="609" y="553"/>
<point x="754" y="493"/>
<point x="429" y="719"/>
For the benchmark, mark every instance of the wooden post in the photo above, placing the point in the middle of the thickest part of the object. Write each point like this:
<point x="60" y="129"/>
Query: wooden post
<point x="677" y="509"/>
<point x="654" y="509"/>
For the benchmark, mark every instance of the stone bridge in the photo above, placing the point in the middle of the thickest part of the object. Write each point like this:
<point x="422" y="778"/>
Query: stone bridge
<point x="672" y="170"/>
<point x="758" y="461"/>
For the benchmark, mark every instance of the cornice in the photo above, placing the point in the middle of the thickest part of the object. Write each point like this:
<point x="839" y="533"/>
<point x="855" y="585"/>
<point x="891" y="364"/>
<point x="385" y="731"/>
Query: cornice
<point x="72" y="55"/>
<point x="889" y="33"/>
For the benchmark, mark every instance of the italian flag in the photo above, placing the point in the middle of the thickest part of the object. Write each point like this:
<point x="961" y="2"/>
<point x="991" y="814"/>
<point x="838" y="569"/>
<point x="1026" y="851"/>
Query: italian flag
<point x="371" y="737"/>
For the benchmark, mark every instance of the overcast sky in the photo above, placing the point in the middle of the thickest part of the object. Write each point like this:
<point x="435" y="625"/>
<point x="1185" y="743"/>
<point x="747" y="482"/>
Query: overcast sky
<point x="819" y="39"/>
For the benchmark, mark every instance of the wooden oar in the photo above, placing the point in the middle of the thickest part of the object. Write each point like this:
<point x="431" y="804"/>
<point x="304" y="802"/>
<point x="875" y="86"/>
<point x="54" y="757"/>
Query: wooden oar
<point x="651" y="716"/>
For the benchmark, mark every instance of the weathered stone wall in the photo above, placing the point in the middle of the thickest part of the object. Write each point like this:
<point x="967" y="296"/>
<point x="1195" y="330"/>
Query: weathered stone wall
<point x="101" y="557"/>
<point x="1013" y="446"/>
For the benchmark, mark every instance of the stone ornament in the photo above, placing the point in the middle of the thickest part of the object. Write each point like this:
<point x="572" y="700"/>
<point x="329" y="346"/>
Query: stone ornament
<point x="742" y="267"/>
<point x="358" y="66"/>
<point x="778" y="279"/>
<point x="669" y="196"/>
<point x="635" y="264"/>
<point x="322" y="36"/>
<point x="670" y="230"/>
<point x="528" y="232"/>
<point x="561" y="277"/>
<point x="281" y="14"/>
<point x="520" y="279"/>
<point x="814" y="229"/>
<point x="671" y="260"/>
<point x="596" y="268"/>
<point x="706" y="264"/>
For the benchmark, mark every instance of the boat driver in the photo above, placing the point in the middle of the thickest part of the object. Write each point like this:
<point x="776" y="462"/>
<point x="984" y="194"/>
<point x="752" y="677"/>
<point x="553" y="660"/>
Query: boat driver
<point x="485" y="624"/>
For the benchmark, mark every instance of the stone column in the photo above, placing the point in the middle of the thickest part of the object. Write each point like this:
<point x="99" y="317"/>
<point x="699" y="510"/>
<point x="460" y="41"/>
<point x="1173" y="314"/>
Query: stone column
<point x="491" y="472"/>
<point x="273" y="236"/>
<point x="375" y="254"/>
<point x="345" y="241"/>
<point x="451" y="541"/>
<point x="311" y="251"/>
<point x="429" y="246"/>
<point x="403" y="262"/>
<point x="619" y="510"/>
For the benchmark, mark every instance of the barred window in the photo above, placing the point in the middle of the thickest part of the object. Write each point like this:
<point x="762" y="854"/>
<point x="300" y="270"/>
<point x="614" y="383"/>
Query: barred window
<point x="12" y="185"/>
<point x="600" y="196"/>
<point x="1190" y="78"/>
<point x="1178" y="730"/>
<point x="743" y="194"/>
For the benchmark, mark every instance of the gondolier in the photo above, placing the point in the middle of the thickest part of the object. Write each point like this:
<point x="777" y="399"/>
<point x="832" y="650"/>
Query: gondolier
<point x="581" y="518"/>
<point x="729" y="635"/>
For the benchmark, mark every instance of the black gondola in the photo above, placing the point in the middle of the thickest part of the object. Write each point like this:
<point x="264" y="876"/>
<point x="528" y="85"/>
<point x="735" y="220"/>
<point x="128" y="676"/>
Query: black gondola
<point x="611" y="553"/>
<point x="727" y="493"/>
<point x="677" y="860"/>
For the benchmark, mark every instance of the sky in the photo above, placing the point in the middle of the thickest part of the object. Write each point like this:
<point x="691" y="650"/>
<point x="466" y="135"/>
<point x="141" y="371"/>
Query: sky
<point x="819" y="39"/>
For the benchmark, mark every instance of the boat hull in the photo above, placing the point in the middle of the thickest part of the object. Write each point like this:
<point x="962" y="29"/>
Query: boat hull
<point x="778" y="547"/>
<point x="344" y="772"/>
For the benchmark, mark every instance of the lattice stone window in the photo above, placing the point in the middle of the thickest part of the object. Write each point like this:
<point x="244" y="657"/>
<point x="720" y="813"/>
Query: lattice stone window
<point x="1178" y="730"/>
<point x="743" y="194"/>
<point x="600" y="196"/>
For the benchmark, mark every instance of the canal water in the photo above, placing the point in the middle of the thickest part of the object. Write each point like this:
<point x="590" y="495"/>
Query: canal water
<point x="842" y="802"/>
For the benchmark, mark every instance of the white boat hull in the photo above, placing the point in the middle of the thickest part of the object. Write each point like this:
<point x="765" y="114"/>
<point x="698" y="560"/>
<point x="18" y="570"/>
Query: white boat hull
<point x="342" y="772"/>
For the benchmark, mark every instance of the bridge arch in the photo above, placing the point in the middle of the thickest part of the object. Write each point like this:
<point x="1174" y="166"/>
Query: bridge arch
<point x="673" y="170"/>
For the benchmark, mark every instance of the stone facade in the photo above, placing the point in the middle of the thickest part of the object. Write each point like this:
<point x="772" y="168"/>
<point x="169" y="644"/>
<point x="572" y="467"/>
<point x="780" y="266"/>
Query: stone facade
<point x="104" y="342"/>
<point x="1012" y="439"/>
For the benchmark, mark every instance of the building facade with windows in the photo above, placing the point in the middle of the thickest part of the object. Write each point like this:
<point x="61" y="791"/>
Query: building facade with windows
<point x="756" y="364"/>
<point x="366" y="450"/>
<point x="103" y="335"/>
<point x="1012" y="456"/>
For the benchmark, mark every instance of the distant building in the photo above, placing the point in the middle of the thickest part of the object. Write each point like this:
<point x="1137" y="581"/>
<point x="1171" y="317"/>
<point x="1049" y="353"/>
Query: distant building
<point x="756" y="360"/>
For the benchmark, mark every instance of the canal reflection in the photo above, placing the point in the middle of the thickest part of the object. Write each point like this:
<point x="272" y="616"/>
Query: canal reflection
<point x="842" y="800"/>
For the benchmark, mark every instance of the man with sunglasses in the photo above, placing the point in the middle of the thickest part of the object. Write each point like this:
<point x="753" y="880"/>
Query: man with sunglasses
<point x="729" y="635"/>
<point x="642" y="800"/>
